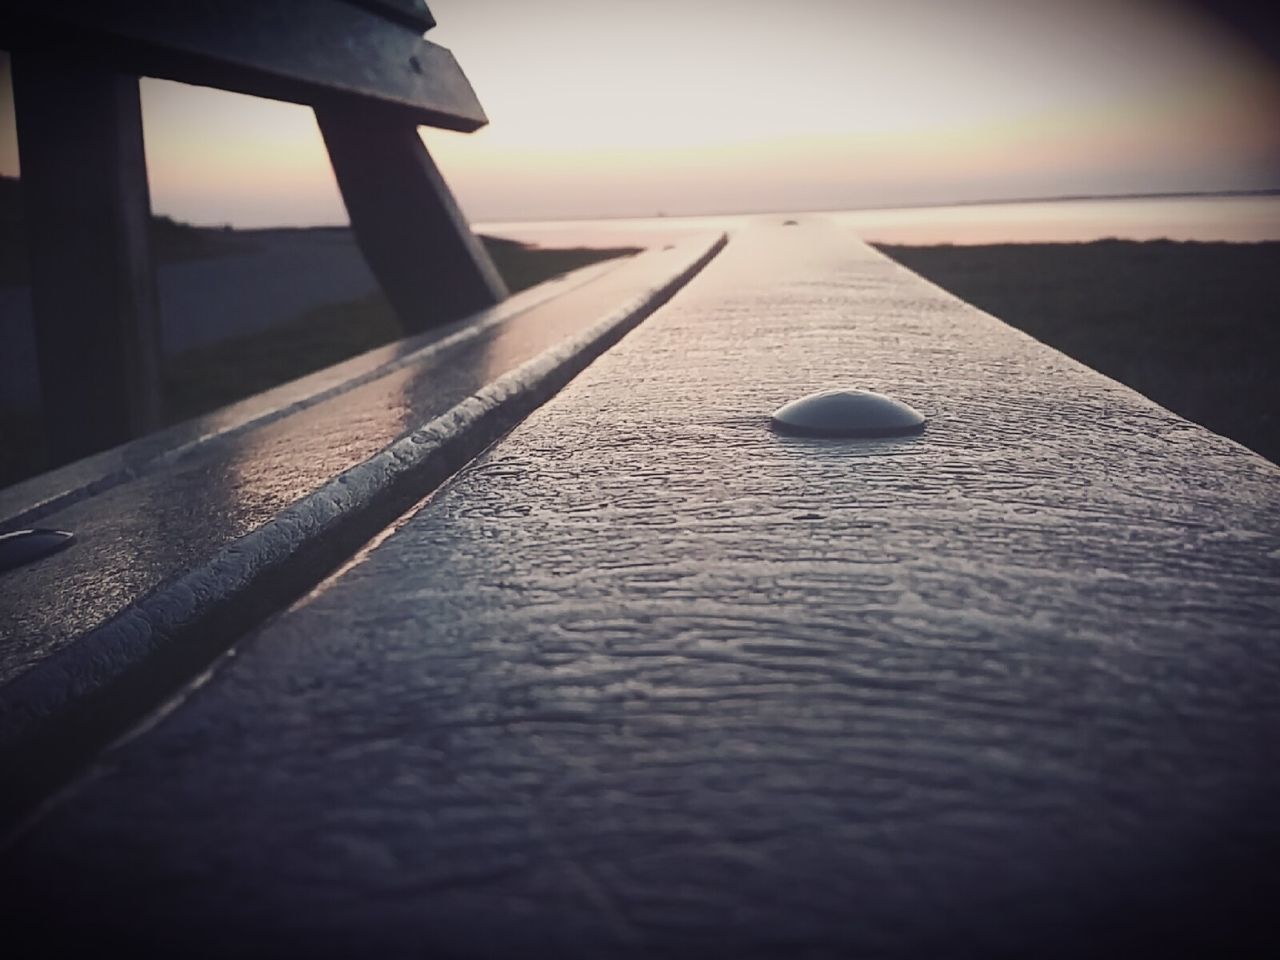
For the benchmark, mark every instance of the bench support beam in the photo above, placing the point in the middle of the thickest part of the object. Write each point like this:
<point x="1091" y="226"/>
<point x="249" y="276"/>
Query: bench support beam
<point x="87" y="208"/>
<point x="409" y="227"/>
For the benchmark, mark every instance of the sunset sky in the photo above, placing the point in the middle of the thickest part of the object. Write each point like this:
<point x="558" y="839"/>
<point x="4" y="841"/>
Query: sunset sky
<point x="631" y="107"/>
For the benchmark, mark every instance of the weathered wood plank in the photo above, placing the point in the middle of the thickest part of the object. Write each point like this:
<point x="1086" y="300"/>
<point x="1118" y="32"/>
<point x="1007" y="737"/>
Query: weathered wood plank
<point x="416" y="240"/>
<point x="84" y="185"/>
<point x="651" y="677"/>
<point x="303" y="51"/>
<point x="168" y="568"/>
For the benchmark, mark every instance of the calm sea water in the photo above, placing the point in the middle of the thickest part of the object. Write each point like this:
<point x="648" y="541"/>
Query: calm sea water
<point x="1240" y="219"/>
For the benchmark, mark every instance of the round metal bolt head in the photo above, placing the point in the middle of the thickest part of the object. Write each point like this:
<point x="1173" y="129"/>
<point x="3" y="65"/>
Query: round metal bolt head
<point x="27" y="546"/>
<point x="847" y="413"/>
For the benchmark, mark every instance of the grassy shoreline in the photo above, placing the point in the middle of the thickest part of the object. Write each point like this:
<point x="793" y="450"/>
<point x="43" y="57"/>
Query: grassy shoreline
<point x="1193" y="325"/>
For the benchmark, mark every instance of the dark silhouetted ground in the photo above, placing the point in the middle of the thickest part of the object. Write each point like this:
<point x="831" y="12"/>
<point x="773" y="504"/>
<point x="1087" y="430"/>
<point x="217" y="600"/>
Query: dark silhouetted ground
<point x="1194" y="326"/>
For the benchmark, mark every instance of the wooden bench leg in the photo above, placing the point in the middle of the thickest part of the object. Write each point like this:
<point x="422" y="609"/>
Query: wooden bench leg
<point x="87" y="210"/>
<point x="415" y="239"/>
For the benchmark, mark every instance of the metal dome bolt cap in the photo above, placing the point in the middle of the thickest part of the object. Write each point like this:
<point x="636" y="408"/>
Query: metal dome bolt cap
<point x="26" y="546"/>
<point x="847" y="413"/>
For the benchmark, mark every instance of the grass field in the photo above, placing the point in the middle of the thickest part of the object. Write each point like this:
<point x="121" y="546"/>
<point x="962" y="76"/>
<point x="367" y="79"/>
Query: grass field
<point x="1194" y="326"/>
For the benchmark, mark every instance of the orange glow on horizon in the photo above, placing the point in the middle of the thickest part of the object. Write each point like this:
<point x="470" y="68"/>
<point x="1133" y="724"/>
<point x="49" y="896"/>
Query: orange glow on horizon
<point x="613" y="108"/>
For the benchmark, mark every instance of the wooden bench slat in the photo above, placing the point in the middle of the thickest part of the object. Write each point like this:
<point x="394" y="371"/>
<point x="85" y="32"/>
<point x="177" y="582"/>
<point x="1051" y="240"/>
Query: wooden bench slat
<point x="302" y="51"/>
<point x="1006" y="688"/>
<point x="168" y="562"/>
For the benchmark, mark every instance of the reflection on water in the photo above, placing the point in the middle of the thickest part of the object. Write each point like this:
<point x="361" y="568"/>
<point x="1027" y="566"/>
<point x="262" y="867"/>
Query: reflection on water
<point x="1240" y="219"/>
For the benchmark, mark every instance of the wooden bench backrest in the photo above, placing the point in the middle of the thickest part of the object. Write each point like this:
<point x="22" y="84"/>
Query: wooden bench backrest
<point x="302" y="51"/>
<point x="362" y="65"/>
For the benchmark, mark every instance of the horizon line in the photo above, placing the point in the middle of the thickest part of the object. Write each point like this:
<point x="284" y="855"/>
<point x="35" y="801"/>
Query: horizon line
<point x="920" y="205"/>
<point x="1061" y="198"/>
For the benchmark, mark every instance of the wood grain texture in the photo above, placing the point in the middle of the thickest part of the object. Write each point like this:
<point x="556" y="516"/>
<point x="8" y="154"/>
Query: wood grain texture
<point x="173" y="564"/>
<point x="26" y="503"/>
<point x="647" y="679"/>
